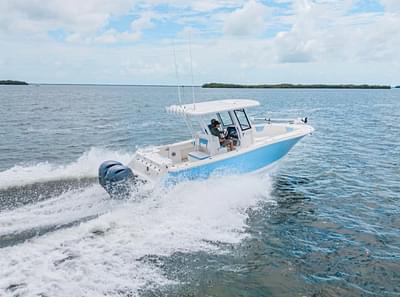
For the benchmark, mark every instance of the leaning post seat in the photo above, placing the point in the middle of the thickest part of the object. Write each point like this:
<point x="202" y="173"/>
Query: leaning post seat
<point x="207" y="143"/>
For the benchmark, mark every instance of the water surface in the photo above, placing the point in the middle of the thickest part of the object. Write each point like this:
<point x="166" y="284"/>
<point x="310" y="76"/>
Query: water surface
<point x="324" y="223"/>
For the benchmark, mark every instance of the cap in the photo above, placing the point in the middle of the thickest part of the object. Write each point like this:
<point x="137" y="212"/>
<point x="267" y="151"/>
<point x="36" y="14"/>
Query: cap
<point x="215" y="122"/>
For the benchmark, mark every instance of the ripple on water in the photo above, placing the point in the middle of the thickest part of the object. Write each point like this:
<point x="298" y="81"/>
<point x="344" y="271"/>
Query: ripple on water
<point x="328" y="225"/>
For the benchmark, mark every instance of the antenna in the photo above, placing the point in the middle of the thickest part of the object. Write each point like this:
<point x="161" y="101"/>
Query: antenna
<point x="187" y="122"/>
<point x="177" y="74"/>
<point x="191" y="68"/>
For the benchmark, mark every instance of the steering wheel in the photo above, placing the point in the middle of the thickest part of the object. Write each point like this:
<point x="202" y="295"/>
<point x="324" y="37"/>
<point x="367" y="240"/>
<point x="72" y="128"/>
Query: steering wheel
<point x="231" y="132"/>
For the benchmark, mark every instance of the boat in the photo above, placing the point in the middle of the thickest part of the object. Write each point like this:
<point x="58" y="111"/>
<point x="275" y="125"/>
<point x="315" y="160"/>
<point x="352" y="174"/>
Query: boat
<point x="255" y="144"/>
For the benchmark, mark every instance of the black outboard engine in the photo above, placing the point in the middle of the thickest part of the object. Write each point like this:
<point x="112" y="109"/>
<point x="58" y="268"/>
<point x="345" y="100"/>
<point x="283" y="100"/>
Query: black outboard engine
<point x="118" y="180"/>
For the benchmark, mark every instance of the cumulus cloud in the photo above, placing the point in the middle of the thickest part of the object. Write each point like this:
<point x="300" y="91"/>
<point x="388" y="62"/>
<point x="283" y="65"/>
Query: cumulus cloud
<point x="326" y="31"/>
<point x="293" y="48"/>
<point x="248" y="20"/>
<point x="83" y="20"/>
<point x="40" y="16"/>
<point x="233" y="40"/>
<point x="391" y="5"/>
<point x="113" y="36"/>
<point x="144" y="22"/>
<point x="199" y="6"/>
<point x="136" y="28"/>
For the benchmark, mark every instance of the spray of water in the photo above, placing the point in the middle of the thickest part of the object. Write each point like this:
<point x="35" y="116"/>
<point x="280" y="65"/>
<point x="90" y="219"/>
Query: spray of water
<point x="86" y="166"/>
<point x="105" y="255"/>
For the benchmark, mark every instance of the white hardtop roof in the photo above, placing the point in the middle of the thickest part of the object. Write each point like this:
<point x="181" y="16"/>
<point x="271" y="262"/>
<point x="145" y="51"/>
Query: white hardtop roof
<point x="207" y="107"/>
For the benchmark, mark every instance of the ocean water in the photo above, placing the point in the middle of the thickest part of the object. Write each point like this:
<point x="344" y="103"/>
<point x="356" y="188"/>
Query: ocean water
<point x="325" y="222"/>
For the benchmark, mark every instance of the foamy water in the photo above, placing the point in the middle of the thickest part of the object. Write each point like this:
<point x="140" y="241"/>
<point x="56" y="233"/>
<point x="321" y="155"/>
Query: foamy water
<point x="105" y="255"/>
<point x="85" y="166"/>
<point x="70" y="206"/>
<point x="327" y="224"/>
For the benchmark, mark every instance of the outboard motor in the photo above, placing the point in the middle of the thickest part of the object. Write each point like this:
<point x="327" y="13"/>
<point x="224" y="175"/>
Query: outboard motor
<point x="116" y="179"/>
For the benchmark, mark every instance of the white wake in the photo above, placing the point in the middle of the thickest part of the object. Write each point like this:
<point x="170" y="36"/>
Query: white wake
<point x="104" y="256"/>
<point x="85" y="166"/>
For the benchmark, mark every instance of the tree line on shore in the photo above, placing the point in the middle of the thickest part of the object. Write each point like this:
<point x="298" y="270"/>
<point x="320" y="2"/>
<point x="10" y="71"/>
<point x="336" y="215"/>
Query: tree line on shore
<point x="262" y="86"/>
<point x="295" y="86"/>
<point x="12" y="82"/>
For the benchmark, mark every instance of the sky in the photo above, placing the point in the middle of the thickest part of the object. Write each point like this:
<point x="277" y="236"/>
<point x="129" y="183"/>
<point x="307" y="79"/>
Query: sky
<point x="135" y="42"/>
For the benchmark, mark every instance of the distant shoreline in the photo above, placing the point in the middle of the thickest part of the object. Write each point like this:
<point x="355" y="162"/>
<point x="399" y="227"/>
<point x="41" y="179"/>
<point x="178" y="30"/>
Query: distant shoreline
<point x="294" y="86"/>
<point x="111" y="85"/>
<point x="104" y="85"/>
<point x="215" y="85"/>
<point x="13" y="82"/>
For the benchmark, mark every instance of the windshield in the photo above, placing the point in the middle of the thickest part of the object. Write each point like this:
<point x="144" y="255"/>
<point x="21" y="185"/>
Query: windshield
<point x="242" y="119"/>
<point x="225" y="118"/>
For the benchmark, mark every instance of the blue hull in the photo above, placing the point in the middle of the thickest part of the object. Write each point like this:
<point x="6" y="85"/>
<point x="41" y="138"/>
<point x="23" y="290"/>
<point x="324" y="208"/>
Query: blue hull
<point x="243" y="163"/>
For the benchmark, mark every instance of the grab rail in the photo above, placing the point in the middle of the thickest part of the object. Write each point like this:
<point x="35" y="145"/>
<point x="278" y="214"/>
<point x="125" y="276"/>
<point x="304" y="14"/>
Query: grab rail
<point x="289" y="121"/>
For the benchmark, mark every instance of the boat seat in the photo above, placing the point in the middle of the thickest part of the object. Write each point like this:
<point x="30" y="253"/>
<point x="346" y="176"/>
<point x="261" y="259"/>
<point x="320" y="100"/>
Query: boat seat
<point x="208" y="144"/>
<point x="197" y="156"/>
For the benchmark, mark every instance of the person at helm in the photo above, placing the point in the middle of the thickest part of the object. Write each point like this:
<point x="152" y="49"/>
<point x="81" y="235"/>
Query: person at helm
<point x="215" y="130"/>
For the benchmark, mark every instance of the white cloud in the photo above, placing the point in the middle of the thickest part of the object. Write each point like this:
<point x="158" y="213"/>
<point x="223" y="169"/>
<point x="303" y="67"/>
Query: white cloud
<point x="199" y="6"/>
<point x="75" y="16"/>
<point x="81" y="20"/>
<point x="110" y="36"/>
<point x="391" y="5"/>
<point x="142" y="23"/>
<point x="326" y="31"/>
<point x="113" y="36"/>
<point x="249" y="20"/>
<point x="210" y="5"/>
<point x="320" y="41"/>
<point x="136" y="28"/>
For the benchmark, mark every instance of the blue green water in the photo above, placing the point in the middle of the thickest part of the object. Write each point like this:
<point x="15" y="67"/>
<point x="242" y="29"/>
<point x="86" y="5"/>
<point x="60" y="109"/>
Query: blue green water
<point x="324" y="223"/>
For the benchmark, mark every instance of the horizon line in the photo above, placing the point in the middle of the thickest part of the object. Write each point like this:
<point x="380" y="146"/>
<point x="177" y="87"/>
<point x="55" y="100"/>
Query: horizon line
<point x="201" y="85"/>
<point x="111" y="84"/>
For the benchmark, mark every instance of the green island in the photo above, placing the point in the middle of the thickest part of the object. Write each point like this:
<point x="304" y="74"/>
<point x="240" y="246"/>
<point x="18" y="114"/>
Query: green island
<point x="397" y="87"/>
<point x="294" y="86"/>
<point x="12" y="82"/>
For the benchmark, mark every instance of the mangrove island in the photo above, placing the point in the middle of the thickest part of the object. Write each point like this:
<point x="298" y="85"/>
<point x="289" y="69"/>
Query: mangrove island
<point x="294" y="86"/>
<point x="12" y="82"/>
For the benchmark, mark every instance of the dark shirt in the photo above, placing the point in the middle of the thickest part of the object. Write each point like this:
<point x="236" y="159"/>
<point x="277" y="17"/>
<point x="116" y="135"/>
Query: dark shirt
<point x="215" y="131"/>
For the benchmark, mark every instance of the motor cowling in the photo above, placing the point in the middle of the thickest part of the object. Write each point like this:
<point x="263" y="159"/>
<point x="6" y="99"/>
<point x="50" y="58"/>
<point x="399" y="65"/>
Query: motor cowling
<point x="104" y="167"/>
<point x="118" y="180"/>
